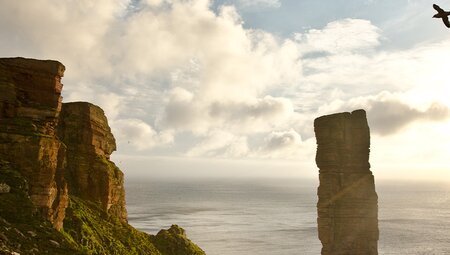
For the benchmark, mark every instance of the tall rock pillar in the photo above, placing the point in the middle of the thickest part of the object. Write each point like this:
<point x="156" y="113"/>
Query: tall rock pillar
<point x="347" y="207"/>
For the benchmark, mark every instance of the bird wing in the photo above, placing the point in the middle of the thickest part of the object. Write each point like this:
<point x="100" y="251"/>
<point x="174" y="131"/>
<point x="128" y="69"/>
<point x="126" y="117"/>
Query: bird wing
<point x="437" y="8"/>
<point x="445" y="19"/>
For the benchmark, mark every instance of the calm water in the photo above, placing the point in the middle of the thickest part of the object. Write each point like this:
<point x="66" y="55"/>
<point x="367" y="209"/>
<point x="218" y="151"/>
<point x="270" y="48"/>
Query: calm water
<point x="245" y="217"/>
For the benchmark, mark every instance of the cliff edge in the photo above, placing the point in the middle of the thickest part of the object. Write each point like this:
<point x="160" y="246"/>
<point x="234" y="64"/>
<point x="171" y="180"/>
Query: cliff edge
<point x="59" y="192"/>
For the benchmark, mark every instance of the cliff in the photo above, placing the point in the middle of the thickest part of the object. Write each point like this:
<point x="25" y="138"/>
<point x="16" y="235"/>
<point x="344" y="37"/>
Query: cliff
<point x="84" y="129"/>
<point x="347" y="207"/>
<point x="61" y="194"/>
<point x="30" y="103"/>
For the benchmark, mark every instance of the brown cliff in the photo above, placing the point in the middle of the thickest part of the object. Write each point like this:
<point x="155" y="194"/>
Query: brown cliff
<point x="49" y="140"/>
<point x="30" y="102"/>
<point x="54" y="159"/>
<point x="84" y="130"/>
<point x="347" y="207"/>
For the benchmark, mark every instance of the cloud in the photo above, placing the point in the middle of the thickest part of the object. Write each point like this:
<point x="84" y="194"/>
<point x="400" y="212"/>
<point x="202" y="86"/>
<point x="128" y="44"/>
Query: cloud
<point x="253" y="115"/>
<point x="108" y="101"/>
<point x="139" y="134"/>
<point x="186" y="112"/>
<point x="176" y="64"/>
<point x="388" y="113"/>
<point x="70" y="31"/>
<point x="390" y="116"/>
<point x="176" y="73"/>
<point x="220" y="143"/>
<point x="282" y="140"/>
<point x="341" y="36"/>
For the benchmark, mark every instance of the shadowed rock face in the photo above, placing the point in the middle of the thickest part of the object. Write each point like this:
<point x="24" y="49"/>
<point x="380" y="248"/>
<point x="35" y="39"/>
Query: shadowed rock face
<point x="30" y="102"/>
<point x="347" y="207"/>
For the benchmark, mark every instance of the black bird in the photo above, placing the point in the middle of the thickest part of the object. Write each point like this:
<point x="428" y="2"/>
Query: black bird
<point x="441" y="15"/>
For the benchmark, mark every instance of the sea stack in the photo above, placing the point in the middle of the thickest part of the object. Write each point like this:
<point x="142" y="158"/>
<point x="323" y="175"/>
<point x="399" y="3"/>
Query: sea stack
<point x="347" y="208"/>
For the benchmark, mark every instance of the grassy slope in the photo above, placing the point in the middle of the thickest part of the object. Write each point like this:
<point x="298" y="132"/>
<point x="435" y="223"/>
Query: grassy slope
<point x="87" y="228"/>
<point x="22" y="230"/>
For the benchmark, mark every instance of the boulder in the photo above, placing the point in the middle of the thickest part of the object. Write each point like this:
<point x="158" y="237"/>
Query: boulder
<point x="4" y="188"/>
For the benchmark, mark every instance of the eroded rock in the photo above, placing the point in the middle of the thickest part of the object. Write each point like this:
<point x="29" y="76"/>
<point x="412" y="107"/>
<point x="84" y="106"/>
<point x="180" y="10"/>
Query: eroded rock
<point x="173" y="241"/>
<point x="347" y="207"/>
<point x="85" y="131"/>
<point x="50" y="152"/>
<point x="4" y="188"/>
<point x="30" y="103"/>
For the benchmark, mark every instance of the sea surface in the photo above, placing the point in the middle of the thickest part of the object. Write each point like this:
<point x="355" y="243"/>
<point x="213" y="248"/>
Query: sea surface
<point x="278" y="217"/>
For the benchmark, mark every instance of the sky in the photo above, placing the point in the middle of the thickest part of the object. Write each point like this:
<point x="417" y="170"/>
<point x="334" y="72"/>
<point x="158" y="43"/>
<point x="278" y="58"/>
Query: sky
<point x="230" y="88"/>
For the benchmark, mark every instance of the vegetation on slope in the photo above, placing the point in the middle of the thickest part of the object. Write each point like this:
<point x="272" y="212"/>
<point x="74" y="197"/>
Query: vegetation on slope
<point x="87" y="228"/>
<point x="95" y="232"/>
<point x="22" y="230"/>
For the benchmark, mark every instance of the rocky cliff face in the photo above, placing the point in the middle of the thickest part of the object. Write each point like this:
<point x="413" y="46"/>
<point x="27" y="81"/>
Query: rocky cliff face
<point x="54" y="157"/>
<point x="347" y="207"/>
<point x="84" y="130"/>
<point x="30" y="103"/>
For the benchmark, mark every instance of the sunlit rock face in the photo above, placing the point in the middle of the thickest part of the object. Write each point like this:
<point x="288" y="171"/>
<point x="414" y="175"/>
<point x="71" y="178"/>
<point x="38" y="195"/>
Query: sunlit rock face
<point x="347" y="207"/>
<point x="85" y="131"/>
<point x="54" y="162"/>
<point x="30" y="103"/>
<point x="53" y="144"/>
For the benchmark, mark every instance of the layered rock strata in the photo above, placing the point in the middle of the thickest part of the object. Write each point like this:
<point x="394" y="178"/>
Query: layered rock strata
<point x="84" y="130"/>
<point x="30" y="103"/>
<point x="54" y="162"/>
<point x="347" y="207"/>
<point x="49" y="141"/>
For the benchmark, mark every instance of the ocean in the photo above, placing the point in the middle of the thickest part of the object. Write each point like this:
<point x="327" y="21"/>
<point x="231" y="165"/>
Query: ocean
<point x="278" y="217"/>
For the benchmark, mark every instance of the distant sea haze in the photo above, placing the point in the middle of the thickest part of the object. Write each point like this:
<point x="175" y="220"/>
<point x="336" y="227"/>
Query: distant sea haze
<point x="278" y="217"/>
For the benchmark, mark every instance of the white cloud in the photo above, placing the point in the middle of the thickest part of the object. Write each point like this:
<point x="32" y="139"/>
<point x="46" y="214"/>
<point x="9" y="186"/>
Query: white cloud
<point x="282" y="144"/>
<point x="277" y="140"/>
<point x="388" y="113"/>
<point x="126" y="56"/>
<point x="341" y="37"/>
<point x="186" y="112"/>
<point x="220" y="143"/>
<point x="139" y="134"/>
<point x="343" y="73"/>
<point x="163" y="69"/>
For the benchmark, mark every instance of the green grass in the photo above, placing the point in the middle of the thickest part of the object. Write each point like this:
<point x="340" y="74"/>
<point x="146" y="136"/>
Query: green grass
<point x="95" y="232"/>
<point x="25" y="230"/>
<point x="87" y="229"/>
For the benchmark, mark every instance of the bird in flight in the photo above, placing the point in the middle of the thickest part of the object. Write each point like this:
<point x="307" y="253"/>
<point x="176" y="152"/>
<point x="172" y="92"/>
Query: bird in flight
<point x="441" y="15"/>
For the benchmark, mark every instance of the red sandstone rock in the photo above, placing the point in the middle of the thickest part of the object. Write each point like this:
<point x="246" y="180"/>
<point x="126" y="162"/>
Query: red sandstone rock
<point x="30" y="103"/>
<point x="347" y="207"/>
<point x="45" y="153"/>
<point x="84" y="129"/>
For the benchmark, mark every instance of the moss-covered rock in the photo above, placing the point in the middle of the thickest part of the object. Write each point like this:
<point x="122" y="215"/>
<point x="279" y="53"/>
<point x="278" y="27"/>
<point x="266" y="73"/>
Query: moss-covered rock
<point x="174" y="241"/>
<point x="88" y="229"/>
<point x="22" y="228"/>
<point x="94" y="231"/>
